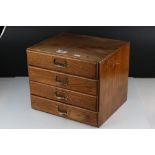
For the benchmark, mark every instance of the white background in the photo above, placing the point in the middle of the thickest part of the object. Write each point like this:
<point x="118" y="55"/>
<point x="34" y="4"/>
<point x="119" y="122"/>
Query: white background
<point x="80" y="12"/>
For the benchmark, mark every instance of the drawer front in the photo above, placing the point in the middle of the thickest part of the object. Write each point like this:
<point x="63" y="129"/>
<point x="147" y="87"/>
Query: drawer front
<point x="62" y="64"/>
<point x="63" y="110"/>
<point x="75" y="83"/>
<point x="63" y="95"/>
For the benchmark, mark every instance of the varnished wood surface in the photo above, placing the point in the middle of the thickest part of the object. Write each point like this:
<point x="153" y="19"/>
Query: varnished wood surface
<point x="89" y="48"/>
<point x="63" y="95"/>
<point x="94" y="83"/>
<point x="75" y="83"/>
<point x="71" y="66"/>
<point x="113" y="83"/>
<point x="57" y="108"/>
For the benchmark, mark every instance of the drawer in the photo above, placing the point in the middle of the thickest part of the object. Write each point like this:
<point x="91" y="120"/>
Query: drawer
<point x="62" y="80"/>
<point x="63" y="110"/>
<point x="63" y="95"/>
<point x="63" y="64"/>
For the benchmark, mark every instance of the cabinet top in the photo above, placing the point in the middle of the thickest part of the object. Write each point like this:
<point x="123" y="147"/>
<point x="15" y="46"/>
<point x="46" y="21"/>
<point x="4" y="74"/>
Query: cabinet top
<point x="80" y="47"/>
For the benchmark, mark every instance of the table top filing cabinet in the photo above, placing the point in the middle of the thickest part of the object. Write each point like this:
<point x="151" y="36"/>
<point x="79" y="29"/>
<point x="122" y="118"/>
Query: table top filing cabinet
<point x="79" y="77"/>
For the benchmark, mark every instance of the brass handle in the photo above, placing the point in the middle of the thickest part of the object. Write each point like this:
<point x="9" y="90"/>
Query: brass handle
<point x="59" y="64"/>
<point x="63" y="81"/>
<point x="62" y="113"/>
<point x="59" y="97"/>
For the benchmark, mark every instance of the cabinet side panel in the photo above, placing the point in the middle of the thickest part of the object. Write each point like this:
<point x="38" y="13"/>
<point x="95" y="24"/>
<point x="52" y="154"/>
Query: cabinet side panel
<point x="113" y="83"/>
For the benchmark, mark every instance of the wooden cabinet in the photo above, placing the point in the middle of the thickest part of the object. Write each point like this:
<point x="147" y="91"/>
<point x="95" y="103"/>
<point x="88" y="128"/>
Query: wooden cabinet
<point x="79" y="77"/>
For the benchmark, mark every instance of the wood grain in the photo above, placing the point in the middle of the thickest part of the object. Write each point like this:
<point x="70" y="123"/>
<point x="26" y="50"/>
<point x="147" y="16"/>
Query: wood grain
<point x="113" y="83"/>
<point x="73" y="82"/>
<point x="86" y="83"/>
<point x="74" y="113"/>
<point x="65" y="96"/>
<point x="73" y="66"/>
<point x="90" y="48"/>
